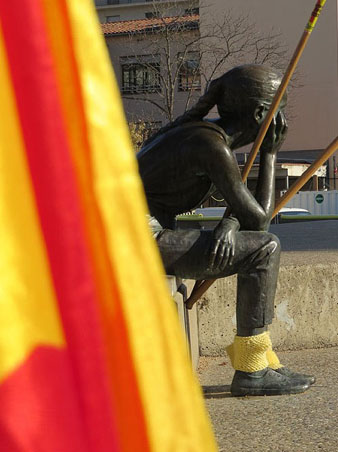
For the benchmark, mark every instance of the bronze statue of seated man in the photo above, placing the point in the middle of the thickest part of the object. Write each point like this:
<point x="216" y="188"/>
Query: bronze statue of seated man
<point x="181" y="166"/>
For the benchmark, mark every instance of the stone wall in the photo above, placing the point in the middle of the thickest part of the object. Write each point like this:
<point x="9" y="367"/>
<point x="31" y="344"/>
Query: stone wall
<point x="306" y="306"/>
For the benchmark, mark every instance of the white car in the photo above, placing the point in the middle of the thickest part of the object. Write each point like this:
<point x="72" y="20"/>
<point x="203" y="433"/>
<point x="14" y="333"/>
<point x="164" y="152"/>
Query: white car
<point x="293" y="211"/>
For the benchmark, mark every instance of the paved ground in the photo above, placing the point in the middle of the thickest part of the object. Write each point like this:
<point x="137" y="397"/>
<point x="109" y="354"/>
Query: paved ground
<point x="307" y="235"/>
<point x="299" y="423"/>
<point x="296" y="423"/>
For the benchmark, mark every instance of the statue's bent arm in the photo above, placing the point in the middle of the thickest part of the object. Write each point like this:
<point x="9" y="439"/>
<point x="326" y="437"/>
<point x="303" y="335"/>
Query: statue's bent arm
<point x="221" y="167"/>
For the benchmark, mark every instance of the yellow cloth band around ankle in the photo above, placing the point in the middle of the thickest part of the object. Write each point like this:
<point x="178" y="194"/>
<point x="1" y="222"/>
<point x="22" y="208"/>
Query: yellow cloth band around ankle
<point x="250" y="352"/>
<point x="272" y="358"/>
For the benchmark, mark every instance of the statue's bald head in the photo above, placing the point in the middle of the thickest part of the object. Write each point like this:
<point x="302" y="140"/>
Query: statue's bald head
<point x="244" y="87"/>
<point x="236" y="94"/>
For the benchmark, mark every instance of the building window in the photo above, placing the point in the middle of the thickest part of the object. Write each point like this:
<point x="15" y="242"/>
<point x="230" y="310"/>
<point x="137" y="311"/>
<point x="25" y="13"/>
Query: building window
<point x="112" y="19"/>
<point x="152" y="15"/>
<point x="141" y="74"/>
<point x="113" y="2"/>
<point x="189" y="77"/>
<point x="191" y="11"/>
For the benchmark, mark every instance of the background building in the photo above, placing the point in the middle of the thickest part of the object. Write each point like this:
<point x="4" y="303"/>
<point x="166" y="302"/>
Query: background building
<point x="315" y="102"/>
<point x="156" y="59"/>
<point x="116" y="10"/>
<point x="314" y="116"/>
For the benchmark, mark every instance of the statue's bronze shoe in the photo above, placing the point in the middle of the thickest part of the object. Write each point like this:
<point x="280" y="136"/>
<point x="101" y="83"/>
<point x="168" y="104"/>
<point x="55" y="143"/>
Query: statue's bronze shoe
<point x="264" y="383"/>
<point x="310" y="379"/>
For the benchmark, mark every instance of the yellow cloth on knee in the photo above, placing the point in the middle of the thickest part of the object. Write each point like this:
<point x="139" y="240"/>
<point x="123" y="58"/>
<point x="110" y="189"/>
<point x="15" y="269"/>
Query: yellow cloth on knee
<point x="272" y="358"/>
<point x="250" y="352"/>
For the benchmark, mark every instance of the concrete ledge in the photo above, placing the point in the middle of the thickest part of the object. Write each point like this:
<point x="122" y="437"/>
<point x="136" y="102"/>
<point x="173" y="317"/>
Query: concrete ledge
<point x="180" y="291"/>
<point x="306" y="306"/>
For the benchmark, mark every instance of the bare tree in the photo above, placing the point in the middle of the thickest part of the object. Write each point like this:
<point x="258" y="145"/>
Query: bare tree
<point x="141" y="130"/>
<point x="230" y="39"/>
<point x="162" y="59"/>
<point x="173" y="56"/>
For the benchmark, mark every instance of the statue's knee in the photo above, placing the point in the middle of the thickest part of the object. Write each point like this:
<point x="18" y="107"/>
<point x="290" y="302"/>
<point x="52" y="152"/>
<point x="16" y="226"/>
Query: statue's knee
<point x="274" y="245"/>
<point x="268" y="252"/>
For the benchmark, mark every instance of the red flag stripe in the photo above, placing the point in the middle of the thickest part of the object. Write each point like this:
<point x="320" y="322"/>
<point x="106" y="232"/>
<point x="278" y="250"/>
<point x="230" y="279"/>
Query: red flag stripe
<point x="47" y="420"/>
<point x="49" y="160"/>
<point x="126" y="392"/>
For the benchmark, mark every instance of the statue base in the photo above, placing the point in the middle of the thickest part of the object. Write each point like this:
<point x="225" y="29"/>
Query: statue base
<point x="180" y="291"/>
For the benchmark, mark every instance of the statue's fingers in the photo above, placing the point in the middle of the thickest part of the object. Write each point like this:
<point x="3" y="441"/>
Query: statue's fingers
<point x="212" y="258"/>
<point x="272" y="128"/>
<point x="270" y="134"/>
<point x="226" y="257"/>
<point x="279" y="124"/>
<point x="213" y="253"/>
<point x="220" y="254"/>
<point x="232" y="254"/>
<point x="285" y="125"/>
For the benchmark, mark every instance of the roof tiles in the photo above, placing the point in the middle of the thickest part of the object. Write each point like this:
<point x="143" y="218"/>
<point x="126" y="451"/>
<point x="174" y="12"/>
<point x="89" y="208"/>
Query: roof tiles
<point x="143" y="25"/>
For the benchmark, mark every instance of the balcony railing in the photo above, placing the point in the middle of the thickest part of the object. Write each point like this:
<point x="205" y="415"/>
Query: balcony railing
<point x="121" y="2"/>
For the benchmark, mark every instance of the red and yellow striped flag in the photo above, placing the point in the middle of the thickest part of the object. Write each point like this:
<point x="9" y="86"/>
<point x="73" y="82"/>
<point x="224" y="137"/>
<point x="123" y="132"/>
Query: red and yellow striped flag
<point x="91" y="353"/>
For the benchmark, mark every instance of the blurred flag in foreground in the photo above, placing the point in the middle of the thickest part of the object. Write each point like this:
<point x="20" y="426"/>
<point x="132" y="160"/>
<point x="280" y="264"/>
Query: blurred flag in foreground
<point x="91" y="353"/>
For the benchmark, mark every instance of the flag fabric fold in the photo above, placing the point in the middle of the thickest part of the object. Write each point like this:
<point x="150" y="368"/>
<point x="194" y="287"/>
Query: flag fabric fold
<point x="92" y="357"/>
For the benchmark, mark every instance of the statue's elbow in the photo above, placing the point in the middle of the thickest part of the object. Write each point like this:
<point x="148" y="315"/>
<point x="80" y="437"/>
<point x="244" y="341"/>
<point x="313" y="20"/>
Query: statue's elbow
<point x="259" y="223"/>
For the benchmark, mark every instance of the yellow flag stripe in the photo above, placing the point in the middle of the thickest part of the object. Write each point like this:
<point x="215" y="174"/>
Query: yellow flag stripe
<point x="171" y="396"/>
<point x="29" y="315"/>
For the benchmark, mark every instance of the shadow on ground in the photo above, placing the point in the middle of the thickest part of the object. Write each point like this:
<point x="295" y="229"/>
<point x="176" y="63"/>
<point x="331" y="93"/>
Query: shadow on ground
<point x="216" y="391"/>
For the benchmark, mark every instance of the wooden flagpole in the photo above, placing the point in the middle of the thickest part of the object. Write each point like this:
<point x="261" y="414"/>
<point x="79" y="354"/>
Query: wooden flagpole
<point x="298" y="184"/>
<point x="201" y="286"/>
<point x="282" y="87"/>
<point x="295" y="187"/>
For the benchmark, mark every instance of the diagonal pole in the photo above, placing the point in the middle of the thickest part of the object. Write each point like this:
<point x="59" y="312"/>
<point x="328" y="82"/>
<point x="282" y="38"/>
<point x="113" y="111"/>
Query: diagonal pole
<point x="301" y="181"/>
<point x="296" y="186"/>
<point x="282" y="87"/>
<point x="201" y="286"/>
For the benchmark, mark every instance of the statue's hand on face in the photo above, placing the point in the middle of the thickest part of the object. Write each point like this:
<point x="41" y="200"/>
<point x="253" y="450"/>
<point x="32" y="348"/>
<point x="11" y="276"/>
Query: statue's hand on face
<point x="276" y="134"/>
<point x="223" y="246"/>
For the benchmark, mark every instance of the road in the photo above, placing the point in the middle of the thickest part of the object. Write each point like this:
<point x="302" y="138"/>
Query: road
<point x="307" y="235"/>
